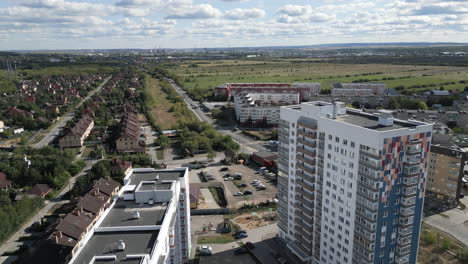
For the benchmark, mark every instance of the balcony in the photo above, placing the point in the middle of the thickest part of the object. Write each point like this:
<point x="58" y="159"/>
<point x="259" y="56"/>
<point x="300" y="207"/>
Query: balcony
<point x="306" y="186"/>
<point x="368" y="205"/>
<point x="306" y="169"/>
<point x="307" y="195"/>
<point x="373" y="196"/>
<point x="302" y="200"/>
<point x="307" y="143"/>
<point x="307" y="134"/>
<point x="307" y="152"/>
<point x="374" y="175"/>
<point x="306" y="159"/>
<point x="369" y="185"/>
<point x="307" y="125"/>
<point x="370" y="153"/>
<point x="373" y="164"/>
<point x="308" y="177"/>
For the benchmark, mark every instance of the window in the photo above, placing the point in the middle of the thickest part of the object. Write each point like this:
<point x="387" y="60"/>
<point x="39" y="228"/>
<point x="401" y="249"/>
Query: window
<point x="337" y="139"/>
<point x="345" y="142"/>
<point x="330" y="137"/>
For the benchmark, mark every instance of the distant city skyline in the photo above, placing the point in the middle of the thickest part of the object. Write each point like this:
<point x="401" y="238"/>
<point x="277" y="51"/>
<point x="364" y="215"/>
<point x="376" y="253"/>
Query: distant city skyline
<point x="149" y="24"/>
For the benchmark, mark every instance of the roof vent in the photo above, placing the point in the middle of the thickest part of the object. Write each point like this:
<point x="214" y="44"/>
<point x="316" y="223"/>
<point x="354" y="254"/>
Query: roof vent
<point x="157" y="177"/>
<point x="385" y="118"/>
<point x="120" y="245"/>
<point x="136" y="215"/>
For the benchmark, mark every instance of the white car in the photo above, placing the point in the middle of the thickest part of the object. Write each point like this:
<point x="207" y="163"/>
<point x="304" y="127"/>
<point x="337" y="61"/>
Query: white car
<point x="238" y="194"/>
<point x="206" y="250"/>
<point x="229" y="179"/>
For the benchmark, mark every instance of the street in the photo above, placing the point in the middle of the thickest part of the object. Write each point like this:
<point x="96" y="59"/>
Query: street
<point x="54" y="131"/>
<point x="247" y="144"/>
<point x="12" y="243"/>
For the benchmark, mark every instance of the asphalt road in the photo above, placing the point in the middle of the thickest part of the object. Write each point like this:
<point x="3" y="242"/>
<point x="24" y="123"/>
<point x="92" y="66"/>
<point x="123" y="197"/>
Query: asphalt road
<point x="247" y="144"/>
<point x="12" y="243"/>
<point x="45" y="141"/>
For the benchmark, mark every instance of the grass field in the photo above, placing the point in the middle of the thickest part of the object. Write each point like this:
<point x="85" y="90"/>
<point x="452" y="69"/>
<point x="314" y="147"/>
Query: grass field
<point x="161" y="106"/>
<point x="206" y="75"/>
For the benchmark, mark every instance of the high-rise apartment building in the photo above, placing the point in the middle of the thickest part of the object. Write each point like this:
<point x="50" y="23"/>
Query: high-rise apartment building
<point x="351" y="184"/>
<point x="147" y="221"/>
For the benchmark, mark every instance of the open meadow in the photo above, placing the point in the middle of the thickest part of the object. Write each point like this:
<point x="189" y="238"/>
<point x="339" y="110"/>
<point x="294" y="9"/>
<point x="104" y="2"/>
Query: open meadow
<point x="200" y="77"/>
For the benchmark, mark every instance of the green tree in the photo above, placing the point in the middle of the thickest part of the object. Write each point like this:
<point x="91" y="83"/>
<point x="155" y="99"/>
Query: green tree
<point x="163" y="141"/>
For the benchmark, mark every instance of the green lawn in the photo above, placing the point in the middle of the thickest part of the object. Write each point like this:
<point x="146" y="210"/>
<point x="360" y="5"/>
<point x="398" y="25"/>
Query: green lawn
<point x="219" y="239"/>
<point x="207" y="75"/>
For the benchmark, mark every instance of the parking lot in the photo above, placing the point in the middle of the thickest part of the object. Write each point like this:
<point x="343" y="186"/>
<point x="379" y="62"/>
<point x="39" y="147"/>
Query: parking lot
<point x="231" y="187"/>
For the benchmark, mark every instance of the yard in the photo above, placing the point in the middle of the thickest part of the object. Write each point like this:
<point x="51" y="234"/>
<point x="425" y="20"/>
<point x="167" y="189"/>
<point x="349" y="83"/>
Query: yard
<point x="438" y="247"/>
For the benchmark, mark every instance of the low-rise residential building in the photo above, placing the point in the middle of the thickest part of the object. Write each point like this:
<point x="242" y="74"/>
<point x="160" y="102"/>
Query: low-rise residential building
<point x="128" y="139"/>
<point x="261" y="109"/>
<point x="305" y="90"/>
<point x="358" y="89"/>
<point x="120" y="166"/>
<point x="445" y="172"/>
<point x="5" y="183"/>
<point x="78" y="134"/>
<point x="265" y="158"/>
<point x="14" y="112"/>
<point x="146" y="221"/>
<point x="39" y="190"/>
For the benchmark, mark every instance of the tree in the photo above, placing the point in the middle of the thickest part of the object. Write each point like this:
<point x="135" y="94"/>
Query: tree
<point x="211" y="155"/>
<point x="274" y="134"/>
<point x="163" y="141"/>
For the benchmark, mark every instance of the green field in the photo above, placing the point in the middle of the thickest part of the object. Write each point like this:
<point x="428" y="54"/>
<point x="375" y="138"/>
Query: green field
<point x="69" y="69"/>
<point x="204" y="75"/>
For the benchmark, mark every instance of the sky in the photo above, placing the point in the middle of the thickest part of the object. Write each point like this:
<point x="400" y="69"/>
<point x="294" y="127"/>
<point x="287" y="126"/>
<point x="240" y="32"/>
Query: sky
<point x="149" y="24"/>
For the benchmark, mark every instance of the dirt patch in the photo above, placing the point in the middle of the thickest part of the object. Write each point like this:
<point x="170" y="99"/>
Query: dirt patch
<point x="255" y="220"/>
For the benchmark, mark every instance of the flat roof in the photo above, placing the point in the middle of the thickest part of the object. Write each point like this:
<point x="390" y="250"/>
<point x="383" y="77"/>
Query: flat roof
<point x="105" y="244"/>
<point x="371" y="121"/>
<point x="148" y="186"/>
<point x="138" y="177"/>
<point x="123" y="214"/>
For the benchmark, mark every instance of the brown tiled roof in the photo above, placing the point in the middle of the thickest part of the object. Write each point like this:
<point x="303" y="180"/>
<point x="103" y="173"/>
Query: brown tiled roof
<point x="121" y="164"/>
<point x="106" y="186"/>
<point x="81" y="126"/>
<point x="129" y="126"/>
<point x="39" y="190"/>
<point x="93" y="203"/>
<point x="74" y="225"/>
<point x="4" y="182"/>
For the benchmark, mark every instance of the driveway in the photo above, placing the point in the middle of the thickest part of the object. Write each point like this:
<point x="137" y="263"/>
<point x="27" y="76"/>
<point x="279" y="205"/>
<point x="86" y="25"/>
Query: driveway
<point x="223" y="253"/>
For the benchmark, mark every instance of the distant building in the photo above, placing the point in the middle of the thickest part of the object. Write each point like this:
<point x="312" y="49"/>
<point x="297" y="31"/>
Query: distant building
<point x="146" y="221"/>
<point x="305" y="90"/>
<point x="78" y="134"/>
<point x="14" y="112"/>
<point x="2" y="126"/>
<point x="358" y="89"/>
<point x="5" y="183"/>
<point x="264" y="158"/>
<point x="17" y="130"/>
<point x="261" y="109"/>
<point x="128" y="139"/>
<point x="445" y="173"/>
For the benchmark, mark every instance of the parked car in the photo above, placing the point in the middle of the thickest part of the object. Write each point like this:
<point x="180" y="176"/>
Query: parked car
<point x="261" y="188"/>
<point x="238" y="194"/>
<point x="241" y="235"/>
<point x="229" y="179"/>
<point x="249" y="245"/>
<point x="462" y="195"/>
<point x="224" y="169"/>
<point x="240" y="231"/>
<point x="206" y="251"/>
<point x="227" y="175"/>
<point x="242" y="185"/>
<point x="247" y="192"/>
<point x="240" y="251"/>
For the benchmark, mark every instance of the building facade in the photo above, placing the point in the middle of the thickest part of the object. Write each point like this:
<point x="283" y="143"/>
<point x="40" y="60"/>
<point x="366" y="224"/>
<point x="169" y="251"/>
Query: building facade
<point x="128" y="139"/>
<point x="445" y="175"/>
<point x="147" y="221"/>
<point x="351" y="185"/>
<point x="261" y="109"/>
<point x="305" y="90"/>
<point x="78" y="134"/>
<point x="358" y="89"/>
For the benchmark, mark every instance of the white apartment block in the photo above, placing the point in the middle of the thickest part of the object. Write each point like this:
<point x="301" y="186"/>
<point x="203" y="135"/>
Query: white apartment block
<point x="262" y="109"/>
<point x="351" y="185"/>
<point x="358" y="89"/>
<point x="147" y="222"/>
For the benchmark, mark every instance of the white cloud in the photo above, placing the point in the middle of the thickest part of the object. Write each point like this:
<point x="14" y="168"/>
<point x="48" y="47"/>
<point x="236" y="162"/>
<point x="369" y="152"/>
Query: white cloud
<point x="241" y="14"/>
<point x="202" y="11"/>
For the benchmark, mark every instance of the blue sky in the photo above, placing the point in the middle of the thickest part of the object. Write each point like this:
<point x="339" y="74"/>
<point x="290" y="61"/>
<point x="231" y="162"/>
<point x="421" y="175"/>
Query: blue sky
<point x="84" y="24"/>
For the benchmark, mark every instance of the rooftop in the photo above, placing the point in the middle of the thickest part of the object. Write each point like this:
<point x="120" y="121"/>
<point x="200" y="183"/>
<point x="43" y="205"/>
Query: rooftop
<point x="371" y="121"/>
<point x="105" y="244"/>
<point x="162" y="175"/>
<point x="124" y="214"/>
